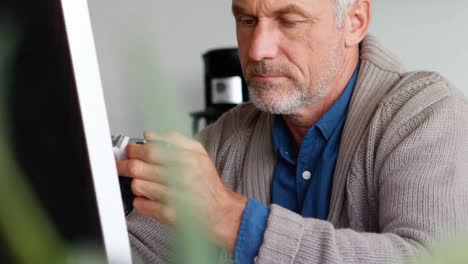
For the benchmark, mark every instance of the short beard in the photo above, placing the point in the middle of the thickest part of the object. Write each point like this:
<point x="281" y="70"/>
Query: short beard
<point x="299" y="95"/>
<point x="289" y="105"/>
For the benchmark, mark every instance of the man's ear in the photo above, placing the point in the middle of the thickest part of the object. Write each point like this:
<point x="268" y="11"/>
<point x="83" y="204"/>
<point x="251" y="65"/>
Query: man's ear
<point x="357" y="22"/>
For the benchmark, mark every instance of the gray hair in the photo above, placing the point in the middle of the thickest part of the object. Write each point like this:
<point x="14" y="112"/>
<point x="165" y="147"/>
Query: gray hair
<point x="341" y="7"/>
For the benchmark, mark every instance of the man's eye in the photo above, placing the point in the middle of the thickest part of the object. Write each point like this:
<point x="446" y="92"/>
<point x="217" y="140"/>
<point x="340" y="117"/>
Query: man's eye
<point x="289" y="22"/>
<point x="247" y="21"/>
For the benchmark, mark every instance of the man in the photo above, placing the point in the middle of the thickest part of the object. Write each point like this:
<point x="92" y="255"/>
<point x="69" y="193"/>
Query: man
<point x="342" y="157"/>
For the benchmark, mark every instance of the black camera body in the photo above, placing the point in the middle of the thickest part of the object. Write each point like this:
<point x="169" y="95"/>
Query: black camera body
<point x="119" y="144"/>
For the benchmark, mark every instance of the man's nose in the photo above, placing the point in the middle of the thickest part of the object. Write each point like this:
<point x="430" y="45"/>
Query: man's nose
<point x="264" y="44"/>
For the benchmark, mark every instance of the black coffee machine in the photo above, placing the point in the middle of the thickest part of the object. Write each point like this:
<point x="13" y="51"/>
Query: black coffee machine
<point x="225" y="86"/>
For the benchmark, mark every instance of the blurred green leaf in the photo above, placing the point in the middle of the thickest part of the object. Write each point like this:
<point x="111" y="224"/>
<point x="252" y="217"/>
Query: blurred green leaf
<point x="162" y="110"/>
<point x="452" y="252"/>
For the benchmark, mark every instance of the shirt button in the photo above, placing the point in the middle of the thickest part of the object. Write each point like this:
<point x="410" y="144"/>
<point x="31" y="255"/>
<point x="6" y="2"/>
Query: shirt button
<point x="306" y="175"/>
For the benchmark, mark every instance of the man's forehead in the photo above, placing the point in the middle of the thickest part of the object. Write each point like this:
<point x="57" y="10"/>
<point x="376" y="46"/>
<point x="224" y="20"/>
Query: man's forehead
<point x="271" y="6"/>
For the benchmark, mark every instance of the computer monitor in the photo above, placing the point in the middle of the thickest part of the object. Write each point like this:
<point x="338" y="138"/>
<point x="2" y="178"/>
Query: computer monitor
<point x="59" y="129"/>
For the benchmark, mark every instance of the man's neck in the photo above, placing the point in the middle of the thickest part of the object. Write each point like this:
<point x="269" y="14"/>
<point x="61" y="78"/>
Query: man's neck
<point x="298" y="124"/>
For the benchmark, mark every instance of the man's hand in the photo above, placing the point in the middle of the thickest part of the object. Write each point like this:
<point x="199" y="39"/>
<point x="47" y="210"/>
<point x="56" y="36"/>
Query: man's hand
<point x="171" y="157"/>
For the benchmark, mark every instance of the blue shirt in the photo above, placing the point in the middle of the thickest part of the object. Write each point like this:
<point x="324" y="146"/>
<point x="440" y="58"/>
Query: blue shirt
<point x="302" y="181"/>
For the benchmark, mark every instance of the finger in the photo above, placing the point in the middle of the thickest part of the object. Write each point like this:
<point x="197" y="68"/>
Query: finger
<point x="150" y="190"/>
<point x="155" y="153"/>
<point x="175" y="139"/>
<point x="148" y="135"/>
<point x="138" y="169"/>
<point x="158" y="211"/>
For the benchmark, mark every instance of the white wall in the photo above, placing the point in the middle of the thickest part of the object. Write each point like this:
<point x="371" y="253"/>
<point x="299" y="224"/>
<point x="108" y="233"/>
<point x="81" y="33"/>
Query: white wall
<point x="141" y="38"/>
<point x="174" y="34"/>
<point x="426" y="35"/>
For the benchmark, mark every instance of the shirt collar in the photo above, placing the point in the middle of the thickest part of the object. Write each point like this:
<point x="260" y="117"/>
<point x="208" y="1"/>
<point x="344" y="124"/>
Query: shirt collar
<point x="337" y="112"/>
<point x="326" y="124"/>
<point x="282" y="139"/>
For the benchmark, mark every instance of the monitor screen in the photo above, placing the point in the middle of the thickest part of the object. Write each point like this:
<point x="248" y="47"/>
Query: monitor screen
<point x="58" y="126"/>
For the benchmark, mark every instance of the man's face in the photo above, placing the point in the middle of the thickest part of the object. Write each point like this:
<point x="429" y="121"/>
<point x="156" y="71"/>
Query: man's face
<point x="290" y="51"/>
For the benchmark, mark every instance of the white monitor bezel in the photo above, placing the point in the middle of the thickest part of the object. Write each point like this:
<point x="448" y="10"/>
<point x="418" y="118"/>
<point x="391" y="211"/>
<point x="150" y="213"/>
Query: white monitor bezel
<point x="96" y="129"/>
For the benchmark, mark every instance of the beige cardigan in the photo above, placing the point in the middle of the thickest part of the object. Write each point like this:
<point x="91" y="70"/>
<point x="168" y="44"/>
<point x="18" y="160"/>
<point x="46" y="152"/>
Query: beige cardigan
<point x="400" y="183"/>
